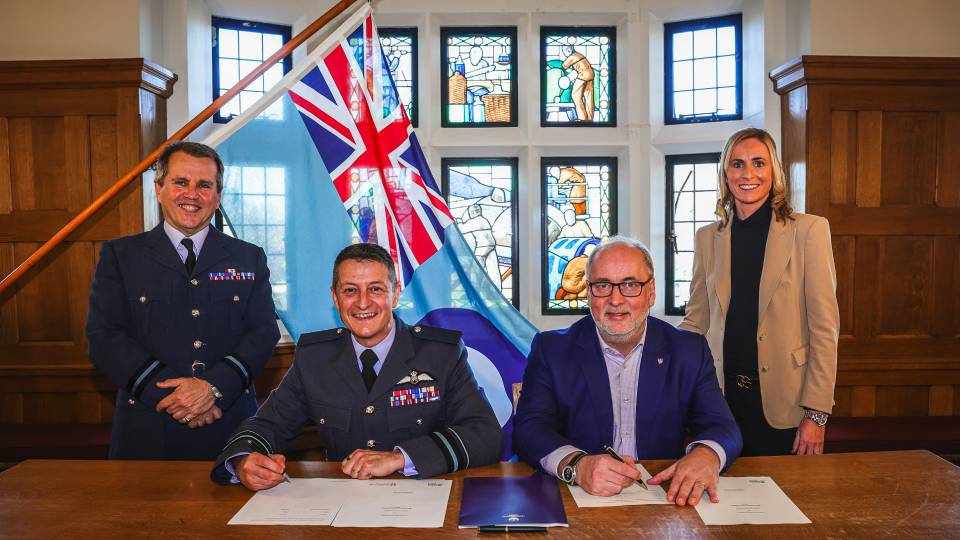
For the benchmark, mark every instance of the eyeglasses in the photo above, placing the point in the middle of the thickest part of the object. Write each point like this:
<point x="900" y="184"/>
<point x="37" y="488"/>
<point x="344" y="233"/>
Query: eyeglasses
<point x="603" y="289"/>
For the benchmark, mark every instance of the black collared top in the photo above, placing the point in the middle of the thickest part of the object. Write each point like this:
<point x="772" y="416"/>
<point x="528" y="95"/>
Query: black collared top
<point x="748" y="242"/>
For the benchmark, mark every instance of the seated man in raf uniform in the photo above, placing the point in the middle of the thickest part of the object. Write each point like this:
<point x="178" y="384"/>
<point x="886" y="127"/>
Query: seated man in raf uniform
<point x="181" y="319"/>
<point x="385" y="397"/>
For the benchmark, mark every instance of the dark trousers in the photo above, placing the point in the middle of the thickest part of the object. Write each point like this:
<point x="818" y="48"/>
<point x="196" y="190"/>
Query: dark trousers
<point x="759" y="438"/>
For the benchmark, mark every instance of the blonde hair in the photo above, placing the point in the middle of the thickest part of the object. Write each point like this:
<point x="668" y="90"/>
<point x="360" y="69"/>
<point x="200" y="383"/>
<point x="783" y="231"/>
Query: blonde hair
<point x="779" y="192"/>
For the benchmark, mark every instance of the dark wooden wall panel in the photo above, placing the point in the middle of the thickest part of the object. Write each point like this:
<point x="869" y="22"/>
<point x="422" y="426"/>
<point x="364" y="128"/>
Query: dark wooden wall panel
<point x="68" y="130"/>
<point x="948" y="193"/>
<point x="844" y="249"/>
<point x="881" y="161"/>
<point x="910" y="148"/>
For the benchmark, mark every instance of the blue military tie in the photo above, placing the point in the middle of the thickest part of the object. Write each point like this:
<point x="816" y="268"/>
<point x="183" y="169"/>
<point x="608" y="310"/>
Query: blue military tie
<point x="369" y="359"/>
<point x="191" y="256"/>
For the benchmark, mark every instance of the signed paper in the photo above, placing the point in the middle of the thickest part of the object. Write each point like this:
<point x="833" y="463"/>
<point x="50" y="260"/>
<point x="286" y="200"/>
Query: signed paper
<point x="349" y="503"/>
<point x="631" y="495"/>
<point x="395" y="503"/>
<point x="302" y="501"/>
<point x="754" y="500"/>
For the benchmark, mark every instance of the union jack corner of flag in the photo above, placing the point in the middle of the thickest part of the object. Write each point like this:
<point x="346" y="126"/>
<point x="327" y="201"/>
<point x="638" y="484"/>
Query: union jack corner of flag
<point x="351" y="109"/>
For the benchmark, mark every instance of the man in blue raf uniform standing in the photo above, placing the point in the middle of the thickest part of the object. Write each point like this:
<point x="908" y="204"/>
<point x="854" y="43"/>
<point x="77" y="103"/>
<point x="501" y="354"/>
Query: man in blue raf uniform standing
<point x="181" y="319"/>
<point x="385" y="397"/>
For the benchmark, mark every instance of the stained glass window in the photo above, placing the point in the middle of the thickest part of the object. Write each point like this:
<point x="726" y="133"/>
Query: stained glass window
<point x="254" y="208"/>
<point x="703" y="70"/>
<point x="479" y="84"/>
<point x="692" y="184"/>
<point x="577" y="80"/>
<point x="579" y="213"/>
<point x="482" y="198"/>
<point x="400" y="49"/>
<point x="239" y="47"/>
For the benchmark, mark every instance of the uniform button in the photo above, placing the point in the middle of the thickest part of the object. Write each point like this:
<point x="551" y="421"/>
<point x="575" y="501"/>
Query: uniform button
<point x="417" y="329"/>
<point x="322" y="421"/>
<point x="131" y="401"/>
<point x="339" y="330"/>
<point x="419" y="421"/>
<point x="195" y="312"/>
<point x="197" y="344"/>
<point x="194" y="282"/>
<point x="246" y="391"/>
<point x="236" y="298"/>
<point x="371" y="443"/>
<point x="143" y="299"/>
<point x="370" y="409"/>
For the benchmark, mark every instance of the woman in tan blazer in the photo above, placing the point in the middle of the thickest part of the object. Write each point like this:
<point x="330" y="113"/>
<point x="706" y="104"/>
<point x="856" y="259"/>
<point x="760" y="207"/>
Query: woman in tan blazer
<point x="764" y="294"/>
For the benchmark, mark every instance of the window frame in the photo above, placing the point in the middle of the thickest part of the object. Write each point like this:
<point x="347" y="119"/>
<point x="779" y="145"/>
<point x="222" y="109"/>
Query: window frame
<point x="411" y="32"/>
<point x="669" y="245"/>
<point x="611" y="33"/>
<point x="545" y="163"/>
<point x="445" y="33"/>
<point x="514" y="163"/>
<point x="285" y="32"/>
<point x="669" y="29"/>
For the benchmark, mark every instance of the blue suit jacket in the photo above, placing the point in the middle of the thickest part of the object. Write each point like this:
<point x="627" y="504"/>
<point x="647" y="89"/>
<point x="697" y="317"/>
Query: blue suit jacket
<point x="150" y="321"/>
<point x="566" y="395"/>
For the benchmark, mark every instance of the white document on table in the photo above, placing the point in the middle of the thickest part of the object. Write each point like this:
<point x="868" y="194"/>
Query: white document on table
<point x="749" y="500"/>
<point x="302" y="501"/>
<point x="630" y="496"/>
<point x="395" y="503"/>
<point x="344" y="502"/>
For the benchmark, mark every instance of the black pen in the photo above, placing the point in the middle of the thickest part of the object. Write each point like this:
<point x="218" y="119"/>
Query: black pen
<point x="510" y="528"/>
<point x="613" y="453"/>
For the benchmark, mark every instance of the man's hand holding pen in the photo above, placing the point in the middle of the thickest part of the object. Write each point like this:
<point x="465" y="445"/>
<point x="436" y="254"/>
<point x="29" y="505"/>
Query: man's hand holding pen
<point x="603" y="475"/>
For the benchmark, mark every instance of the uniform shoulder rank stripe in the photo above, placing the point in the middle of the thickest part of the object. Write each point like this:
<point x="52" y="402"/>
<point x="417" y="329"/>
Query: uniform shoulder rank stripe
<point x="433" y="333"/>
<point x="231" y="274"/>
<point x="413" y="396"/>
<point x="320" y="337"/>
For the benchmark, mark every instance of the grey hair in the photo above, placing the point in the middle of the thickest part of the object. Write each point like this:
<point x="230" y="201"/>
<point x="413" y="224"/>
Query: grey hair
<point x="621" y="241"/>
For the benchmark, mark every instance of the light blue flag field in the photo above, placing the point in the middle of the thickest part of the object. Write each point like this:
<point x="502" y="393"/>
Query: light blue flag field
<point x="328" y="158"/>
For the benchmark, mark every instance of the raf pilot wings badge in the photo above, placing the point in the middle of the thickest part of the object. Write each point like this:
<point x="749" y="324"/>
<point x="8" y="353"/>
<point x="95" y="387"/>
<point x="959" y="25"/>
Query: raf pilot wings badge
<point x="415" y="378"/>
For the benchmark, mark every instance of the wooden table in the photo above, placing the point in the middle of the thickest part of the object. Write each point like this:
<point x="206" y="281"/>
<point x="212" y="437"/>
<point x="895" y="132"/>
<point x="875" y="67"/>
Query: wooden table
<point x="866" y="495"/>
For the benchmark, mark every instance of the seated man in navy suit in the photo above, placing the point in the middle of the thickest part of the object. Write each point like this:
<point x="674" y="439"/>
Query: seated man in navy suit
<point x="622" y="379"/>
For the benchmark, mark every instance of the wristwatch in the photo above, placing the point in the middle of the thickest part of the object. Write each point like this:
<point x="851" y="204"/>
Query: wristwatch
<point x="217" y="394"/>
<point x="569" y="472"/>
<point x="819" y="418"/>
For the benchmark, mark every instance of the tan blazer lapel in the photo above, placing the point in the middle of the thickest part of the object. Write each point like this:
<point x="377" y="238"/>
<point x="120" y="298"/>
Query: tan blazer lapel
<point x="721" y="246"/>
<point x="775" y="258"/>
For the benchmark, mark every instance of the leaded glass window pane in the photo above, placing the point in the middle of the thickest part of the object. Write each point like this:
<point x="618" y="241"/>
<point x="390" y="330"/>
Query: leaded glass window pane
<point x="579" y="213"/>
<point x="578" y="76"/>
<point x="703" y="65"/>
<point x="481" y="194"/>
<point x="253" y="207"/>
<point x="400" y="49"/>
<point x="692" y="183"/>
<point x="479" y="84"/>
<point x="240" y="47"/>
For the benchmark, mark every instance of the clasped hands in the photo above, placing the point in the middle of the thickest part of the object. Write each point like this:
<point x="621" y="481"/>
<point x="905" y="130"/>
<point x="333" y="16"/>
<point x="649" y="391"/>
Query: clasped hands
<point x="689" y="476"/>
<point x="192" y="402"/>
<point x="257" y="471"/>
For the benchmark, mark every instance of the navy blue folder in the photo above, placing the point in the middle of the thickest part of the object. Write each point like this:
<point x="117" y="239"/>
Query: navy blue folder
<point x="532" y="501"/>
